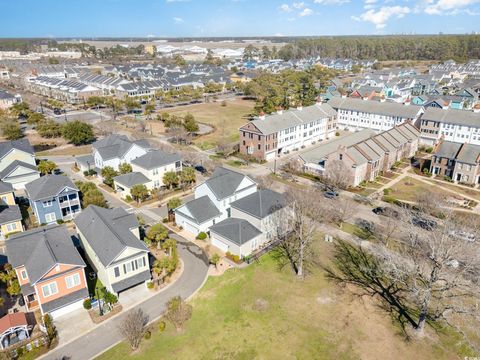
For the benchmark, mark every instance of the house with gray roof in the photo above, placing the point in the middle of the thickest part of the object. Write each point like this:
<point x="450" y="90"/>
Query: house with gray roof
<point x="362" y="155"/>
<point x="17" y="163"/>
<point x="117" y="149"/>
<point x="154" y="164"/>
<point x="49" y="269"/>
<point x="237" y="236"/>
<point x="111" y="241"/>
<point x="10" y="214"/>
<point x="53" y="198"/>
<point x="124" y="183"/>
<point x="459" y="162"/>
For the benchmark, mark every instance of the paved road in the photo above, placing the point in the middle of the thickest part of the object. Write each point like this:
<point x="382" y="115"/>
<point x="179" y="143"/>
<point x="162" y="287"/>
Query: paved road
<point x="107" y="334"/>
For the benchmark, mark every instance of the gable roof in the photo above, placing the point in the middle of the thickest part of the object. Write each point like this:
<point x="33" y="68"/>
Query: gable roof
<point x="238" y="231"/>
<point x="131" y="179"/>
<point x="9" y="213"/>
<point x="466" y="153"/>
<point x="5" y="187"/>
<point x="20" y="144"/>
<point x="108" y="231"/>
<point x="13" y="165"/>
<point x="261" y="203"/>
<point x="452" y="116"/>
<point x="154" y="159"/>
<point x="115" y="145"/>
<point x="48" y="186"/>
<point x="201" y="209"/>
<point x="224" y="182"/>
<point x="40" y="249"/>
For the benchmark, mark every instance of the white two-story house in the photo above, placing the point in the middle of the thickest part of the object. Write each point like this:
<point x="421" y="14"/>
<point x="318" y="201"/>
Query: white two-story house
<point x="154" y="164"/>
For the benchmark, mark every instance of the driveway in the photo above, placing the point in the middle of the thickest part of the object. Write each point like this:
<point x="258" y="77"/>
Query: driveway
<point x="103" y="336"/>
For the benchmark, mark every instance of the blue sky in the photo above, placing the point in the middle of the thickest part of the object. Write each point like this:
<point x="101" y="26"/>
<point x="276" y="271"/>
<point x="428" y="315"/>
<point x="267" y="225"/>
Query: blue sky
<point x="97" y="18"/>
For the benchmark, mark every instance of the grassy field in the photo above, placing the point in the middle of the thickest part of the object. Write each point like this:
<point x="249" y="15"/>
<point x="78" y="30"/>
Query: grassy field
<point x="68" y="150"/>
<point x="225" y="119"/>
<point x="473" y="193"/>
<point x="410" y="189"/>
<point x="263" y="312"/>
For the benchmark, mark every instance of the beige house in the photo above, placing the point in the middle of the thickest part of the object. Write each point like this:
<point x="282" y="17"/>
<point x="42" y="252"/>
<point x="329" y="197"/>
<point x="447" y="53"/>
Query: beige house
<point x="111" y="241"/>
<point x="17" y="163"/>
<point x="10" y="214"/>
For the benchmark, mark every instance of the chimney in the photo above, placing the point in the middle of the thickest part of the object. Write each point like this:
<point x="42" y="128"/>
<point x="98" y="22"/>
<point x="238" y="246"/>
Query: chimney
<point x="261" y="116"/>
<point x="382" y="99"/>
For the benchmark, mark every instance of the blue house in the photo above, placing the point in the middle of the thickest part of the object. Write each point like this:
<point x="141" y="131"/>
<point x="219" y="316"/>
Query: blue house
<point x="53" y="198"/>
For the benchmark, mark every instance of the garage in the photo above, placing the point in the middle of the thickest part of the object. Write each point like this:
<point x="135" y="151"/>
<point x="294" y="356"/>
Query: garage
<point x="190" y="228"/>
<point x="219" y="244"/>
<point x="67" y="309"/>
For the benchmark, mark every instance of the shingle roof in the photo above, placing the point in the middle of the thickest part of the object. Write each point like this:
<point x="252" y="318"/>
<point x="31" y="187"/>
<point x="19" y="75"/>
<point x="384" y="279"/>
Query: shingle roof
<point x="65" y="300"/>
<point x="13" y="165"/>
<point x="224" y="182"/>
<point x="48" y="186"/>
<point x="131" y="281"/>
<point x="131" y="179"/>
<point x="21" y="144"/>
<point x="154" y="159"/>
<point x="9" y="213"/>
<point x="261" y="203"/>
<point x="5" y="187"/>
<point x="201" y="209"/>
<point x="114" y="146"/>
<point x="40" y="249"/>
<point x="452" y="116"/>
<point x="277" y="122"/>
<point x="238" y="231"/>
<point x="108" y="231"/>
<point x="466" y="153"/>
<point x="376" y="107"/>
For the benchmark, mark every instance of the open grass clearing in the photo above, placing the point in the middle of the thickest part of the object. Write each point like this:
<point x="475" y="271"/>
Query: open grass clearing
<point x="264" y="312"/>
<point x="461" y="190"/>
<point x="226" y="120"/>
<point x="410" y="189"/>
<point x="67" y="150"/>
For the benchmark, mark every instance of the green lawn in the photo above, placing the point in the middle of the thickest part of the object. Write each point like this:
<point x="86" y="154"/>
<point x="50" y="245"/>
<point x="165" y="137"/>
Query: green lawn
<point x="225" y="119"/>
<point x="410" y="189"/>
<point x="263" y="312"/>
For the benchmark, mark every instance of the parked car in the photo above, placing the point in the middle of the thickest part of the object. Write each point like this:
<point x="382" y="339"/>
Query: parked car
<point x="386" y="211"/>
<point x="330" y="194"/>
<point x="200" y="169"/>
<point x="424" y="223"/>
<point x="57" y="172"/>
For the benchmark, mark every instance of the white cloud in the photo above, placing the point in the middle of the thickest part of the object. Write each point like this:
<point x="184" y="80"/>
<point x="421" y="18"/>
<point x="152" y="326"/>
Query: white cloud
<point x="380" y="16"/>
<point x="178" y="20"/>
<point x="448" y="7"/>
<point x="331" y="2"/>
<point x="285" y="8"/>
<point x="298" y="5"/>
<point x="306" y="12"/>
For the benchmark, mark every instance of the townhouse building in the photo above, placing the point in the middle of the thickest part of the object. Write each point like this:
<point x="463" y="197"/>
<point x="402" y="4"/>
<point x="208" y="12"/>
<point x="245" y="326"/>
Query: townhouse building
<point x="269" y="136"/>
<point x="53" y="198"/>
<point x="357" y="114"/>
<point x="363" y="154"/>
<point x="457" y="161"/>
<point x="460" y="126"/>
<point x="49" y="269"/>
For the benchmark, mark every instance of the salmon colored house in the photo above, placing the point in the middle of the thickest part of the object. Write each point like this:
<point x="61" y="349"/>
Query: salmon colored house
<point x="50" y="270"/>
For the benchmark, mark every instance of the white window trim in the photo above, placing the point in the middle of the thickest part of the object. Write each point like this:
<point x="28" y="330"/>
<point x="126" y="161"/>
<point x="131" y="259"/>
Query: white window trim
<point x="47" y="203"/>
<point x="75" y="280"/>
<point x="12" y="227"/>
<point x="49" y="287"/>
<point x="50" y="215"/>
<point x="23" y="274"/>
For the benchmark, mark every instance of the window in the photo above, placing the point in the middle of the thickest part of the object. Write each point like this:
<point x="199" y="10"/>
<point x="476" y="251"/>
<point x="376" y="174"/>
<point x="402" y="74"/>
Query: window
<point x="11" y="227"/>
<point x="143" y="262"/>
<point x="4" y="199"/>
<point x="155" y="171"/>
<point x="259" y="146"/>
<point x="116" y="270"/>
<point x="23" y="274"/>
<point x="127" y="268"/>
<point x="49" y="289"/>
<point x="47" y="203"/>
<point x="50" y="217"/>
<point x="72" y="281"/>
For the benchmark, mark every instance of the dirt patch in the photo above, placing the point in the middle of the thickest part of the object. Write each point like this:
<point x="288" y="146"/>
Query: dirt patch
<point x="260" y="305"/>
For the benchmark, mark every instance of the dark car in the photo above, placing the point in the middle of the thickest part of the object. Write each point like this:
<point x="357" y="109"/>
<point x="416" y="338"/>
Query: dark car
<point x="57" y="111"/>
<point x="200" y="169"/>
<point x="330" y="194"/>
<point x="425" y="224"/>
<point x="386" y="211"/>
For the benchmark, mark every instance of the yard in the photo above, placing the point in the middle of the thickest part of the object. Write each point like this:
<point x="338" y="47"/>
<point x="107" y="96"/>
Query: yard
<point x="225" y="119"/>
<point x="263" y="312"/>
<point x="410" y="189"/>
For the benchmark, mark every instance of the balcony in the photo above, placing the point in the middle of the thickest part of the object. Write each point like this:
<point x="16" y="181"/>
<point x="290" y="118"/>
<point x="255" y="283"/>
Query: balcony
<point x="32" y="305"/>
<point x="67" y="203"/>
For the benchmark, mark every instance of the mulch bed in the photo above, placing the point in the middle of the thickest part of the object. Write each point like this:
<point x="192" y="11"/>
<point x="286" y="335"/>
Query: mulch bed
<point x="97" y="319"/>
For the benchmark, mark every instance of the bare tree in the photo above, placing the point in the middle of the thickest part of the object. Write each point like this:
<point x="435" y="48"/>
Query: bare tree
<point x="343" y="210"/>
<point x="178" y="312"/>
<point x="388" y="228"/>
<point x="133" y="327"/>
<point x="337" y="174"/>
<point x="264" y="182"/>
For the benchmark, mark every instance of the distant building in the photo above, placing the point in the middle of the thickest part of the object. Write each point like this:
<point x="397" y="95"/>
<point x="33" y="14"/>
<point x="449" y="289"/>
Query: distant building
<point x="7" y="100"/>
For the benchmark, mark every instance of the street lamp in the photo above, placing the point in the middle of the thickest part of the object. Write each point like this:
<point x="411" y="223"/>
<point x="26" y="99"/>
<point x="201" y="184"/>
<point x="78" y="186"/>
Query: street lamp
<point x="100" y="310"/>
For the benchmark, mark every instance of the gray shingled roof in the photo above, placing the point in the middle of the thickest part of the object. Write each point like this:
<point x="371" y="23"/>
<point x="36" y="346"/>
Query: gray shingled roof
<point x="13" y="165"/>
<point x="40" y="249"/>
<point x="9" y="213"/>
<point x="114" y="146"/>
<point x="465" y="153"/>
<point x="65" y="300"/>
<point x="154" y="159"/>
<point x="48" y="186"/>
<point x="5" y="187"/>
<point x="292" y="117"/>
<point x="131" y="281"/>
<point x="131" y="179"/>
<point x="224" y="182"/>
<point x="108" y="231"/>
<point x="201" y="209"/>
<point x="238" y="231"/>
<point x="21" y="144"/>
<point x="376" y="107"/>
<point x="260" y="204"/>
<point x="452" y="116"/>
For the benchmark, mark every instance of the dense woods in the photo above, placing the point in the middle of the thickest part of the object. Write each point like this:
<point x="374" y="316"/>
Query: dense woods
<point x="431" y="47"/>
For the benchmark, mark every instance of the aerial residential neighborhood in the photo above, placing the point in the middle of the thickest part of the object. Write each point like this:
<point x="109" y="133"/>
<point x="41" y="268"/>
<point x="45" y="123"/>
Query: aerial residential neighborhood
<point x="239" y="180"/>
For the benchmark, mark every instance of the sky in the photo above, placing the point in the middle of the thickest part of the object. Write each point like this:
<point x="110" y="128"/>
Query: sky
<point x="189" y="18"/>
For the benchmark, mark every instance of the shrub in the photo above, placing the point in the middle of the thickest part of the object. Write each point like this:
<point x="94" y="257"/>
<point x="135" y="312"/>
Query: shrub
<point x="429" y="150"/>
<point x="426" y="172"/>
<point x="60" y="221"/>
<point x="201" y="236"/>
<point x="128" y="198"/>
<point x="148" y="335"/>
<point x="87" y="304"/>
<point x="161" y="326"/>
<point x="337" y="133"/>
<point x="85" y="173"/>
<point x="391" y="199"/>
<point x="234" y="258"/>
<point x="165" y="220"/>
<point x="150" y="285"/>
<point x="387" y="191"/>
<point x="448" y="178"/>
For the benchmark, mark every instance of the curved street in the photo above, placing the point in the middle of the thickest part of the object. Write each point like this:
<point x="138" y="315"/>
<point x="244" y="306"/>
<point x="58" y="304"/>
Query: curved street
<point x="105" y="335"/>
